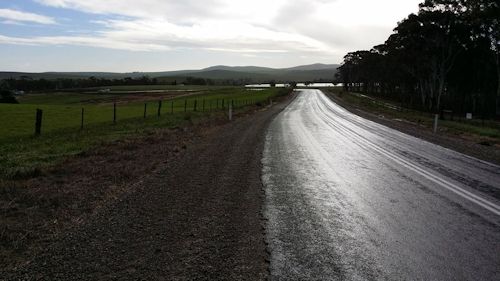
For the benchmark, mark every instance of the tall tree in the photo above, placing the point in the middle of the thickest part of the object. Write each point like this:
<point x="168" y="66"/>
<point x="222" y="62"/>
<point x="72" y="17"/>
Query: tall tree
<point x="484" y="19"/>
<point x="445" y="55"/>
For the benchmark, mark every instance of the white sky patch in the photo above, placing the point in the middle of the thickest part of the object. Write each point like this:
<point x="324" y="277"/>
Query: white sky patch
<point x="350" y="13"/>
<point x="14" y="16"/>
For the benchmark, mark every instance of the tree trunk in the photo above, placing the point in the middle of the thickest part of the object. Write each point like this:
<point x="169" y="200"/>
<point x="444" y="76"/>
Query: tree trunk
<point x="422" y="93"/>
<point x="440" y="89"/>
<point x="430" y="96"/>
<point x="498" y="82"/>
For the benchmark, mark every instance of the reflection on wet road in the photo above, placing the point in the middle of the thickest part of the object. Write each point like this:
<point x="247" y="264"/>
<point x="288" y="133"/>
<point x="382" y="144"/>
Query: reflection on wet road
<point x="347" y="198"/>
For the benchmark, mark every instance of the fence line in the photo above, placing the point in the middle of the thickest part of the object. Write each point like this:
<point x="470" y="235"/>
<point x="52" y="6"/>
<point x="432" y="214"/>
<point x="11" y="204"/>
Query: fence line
<point x="224" y="104"/>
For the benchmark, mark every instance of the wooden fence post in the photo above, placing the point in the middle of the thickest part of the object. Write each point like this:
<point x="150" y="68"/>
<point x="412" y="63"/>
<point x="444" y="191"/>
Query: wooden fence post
<point x="159" y="108"/>
<point x="172" y="108"/>
<point x="38" y="122"/>
<point x="145" y="108"/>
<point x="81" y="124"/>
<point x="114" y="113"/>
<point x="435" y="127"/>
<point x="185" y="105"/>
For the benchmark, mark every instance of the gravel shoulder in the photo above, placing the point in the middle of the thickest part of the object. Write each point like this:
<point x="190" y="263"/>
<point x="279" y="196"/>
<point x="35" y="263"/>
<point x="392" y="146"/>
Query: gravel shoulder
<point x="188" y="206"/>
<point x="468" y="146"/>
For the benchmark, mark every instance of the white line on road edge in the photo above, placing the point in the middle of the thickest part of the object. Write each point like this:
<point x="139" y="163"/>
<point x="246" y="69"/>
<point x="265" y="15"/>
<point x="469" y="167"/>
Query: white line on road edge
<point x="444" y="183"/>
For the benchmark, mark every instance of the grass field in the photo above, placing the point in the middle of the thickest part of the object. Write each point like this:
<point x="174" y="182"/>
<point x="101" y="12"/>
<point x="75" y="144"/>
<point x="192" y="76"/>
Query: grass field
<point x="165" y="87"/>
<point x="22" y="155"/>
<point x="63" y="110"/>
<point x="482" y="128"/>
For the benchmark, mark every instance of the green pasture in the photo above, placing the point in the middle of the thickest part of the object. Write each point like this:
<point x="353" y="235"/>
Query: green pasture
<point x="63" y="110"/>
<point x="22" y="155"/>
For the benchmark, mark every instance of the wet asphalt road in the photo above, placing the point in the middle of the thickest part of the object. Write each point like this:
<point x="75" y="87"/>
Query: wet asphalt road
<point x="349" y="199"/>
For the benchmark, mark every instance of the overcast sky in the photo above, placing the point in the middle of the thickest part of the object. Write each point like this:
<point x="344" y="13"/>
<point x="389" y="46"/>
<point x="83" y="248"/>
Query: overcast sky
<point x="156" y="35"/>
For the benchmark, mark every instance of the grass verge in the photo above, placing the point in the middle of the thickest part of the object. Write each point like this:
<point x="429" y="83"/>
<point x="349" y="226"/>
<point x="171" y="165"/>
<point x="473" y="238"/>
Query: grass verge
<point x="479" y="129"/>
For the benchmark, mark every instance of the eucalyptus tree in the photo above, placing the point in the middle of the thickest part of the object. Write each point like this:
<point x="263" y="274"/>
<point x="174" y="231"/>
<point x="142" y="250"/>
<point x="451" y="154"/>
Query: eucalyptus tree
<point x="446" y="53"/>
<point x="484" y="19"/>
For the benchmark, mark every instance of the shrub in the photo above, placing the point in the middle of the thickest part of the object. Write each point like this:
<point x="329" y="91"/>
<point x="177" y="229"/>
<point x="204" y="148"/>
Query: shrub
<point x="7" y="96"/>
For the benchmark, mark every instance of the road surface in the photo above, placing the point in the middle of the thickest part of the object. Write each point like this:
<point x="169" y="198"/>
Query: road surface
<point x="349" y="199"/>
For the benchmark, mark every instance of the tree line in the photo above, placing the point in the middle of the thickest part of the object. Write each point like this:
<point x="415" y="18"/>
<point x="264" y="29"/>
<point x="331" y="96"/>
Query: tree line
<point x="28" y="84"/>
<point x="445" y="57"/>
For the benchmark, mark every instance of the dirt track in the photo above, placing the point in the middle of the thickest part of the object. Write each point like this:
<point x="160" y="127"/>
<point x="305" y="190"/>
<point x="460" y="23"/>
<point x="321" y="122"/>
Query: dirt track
<point x="197" y="216"/>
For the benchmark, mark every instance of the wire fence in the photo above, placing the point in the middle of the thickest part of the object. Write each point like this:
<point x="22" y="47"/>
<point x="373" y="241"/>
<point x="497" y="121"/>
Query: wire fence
<point x="121" y="113"/>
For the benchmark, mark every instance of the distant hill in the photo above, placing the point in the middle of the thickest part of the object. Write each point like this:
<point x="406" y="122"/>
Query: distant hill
<point x="219" y="72"/>
<point x="265" y="74"/>
<point x="248" y="69"/>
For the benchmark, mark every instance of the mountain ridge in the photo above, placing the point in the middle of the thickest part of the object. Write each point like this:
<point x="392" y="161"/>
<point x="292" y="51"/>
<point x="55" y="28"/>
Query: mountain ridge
<point x="311" y="72"/>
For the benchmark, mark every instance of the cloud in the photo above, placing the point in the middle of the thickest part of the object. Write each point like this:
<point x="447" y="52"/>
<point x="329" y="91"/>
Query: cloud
<point x="16" y="17"/>
<point x="316" y="28"/>
<point x="82" y="41"/>
<point x="161" y="35"/>
<point x="344" y="25"/>
<point x="223" y="35"/>
<point x="186" y="10"/>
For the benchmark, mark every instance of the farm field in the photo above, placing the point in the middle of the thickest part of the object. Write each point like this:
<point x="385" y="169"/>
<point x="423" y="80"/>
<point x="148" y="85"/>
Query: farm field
<point x="165" y="87"/>
<point x="63" y="110"/>
<point x="21" y="154"/>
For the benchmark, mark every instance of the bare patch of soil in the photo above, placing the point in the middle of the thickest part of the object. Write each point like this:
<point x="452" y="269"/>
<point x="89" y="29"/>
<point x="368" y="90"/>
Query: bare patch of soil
<point x="133" y="97"/>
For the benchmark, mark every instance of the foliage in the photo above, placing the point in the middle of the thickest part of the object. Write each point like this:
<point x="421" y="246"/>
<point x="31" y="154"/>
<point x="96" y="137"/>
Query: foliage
<point x="7" y="97"/>
<point x="25" y="83"/>
<point x="444" y="57"/>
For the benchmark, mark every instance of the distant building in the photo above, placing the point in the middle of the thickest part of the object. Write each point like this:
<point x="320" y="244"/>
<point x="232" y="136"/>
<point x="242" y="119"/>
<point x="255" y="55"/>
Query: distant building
<point x="18" y="93"/>
<point x="102" y="91"/>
